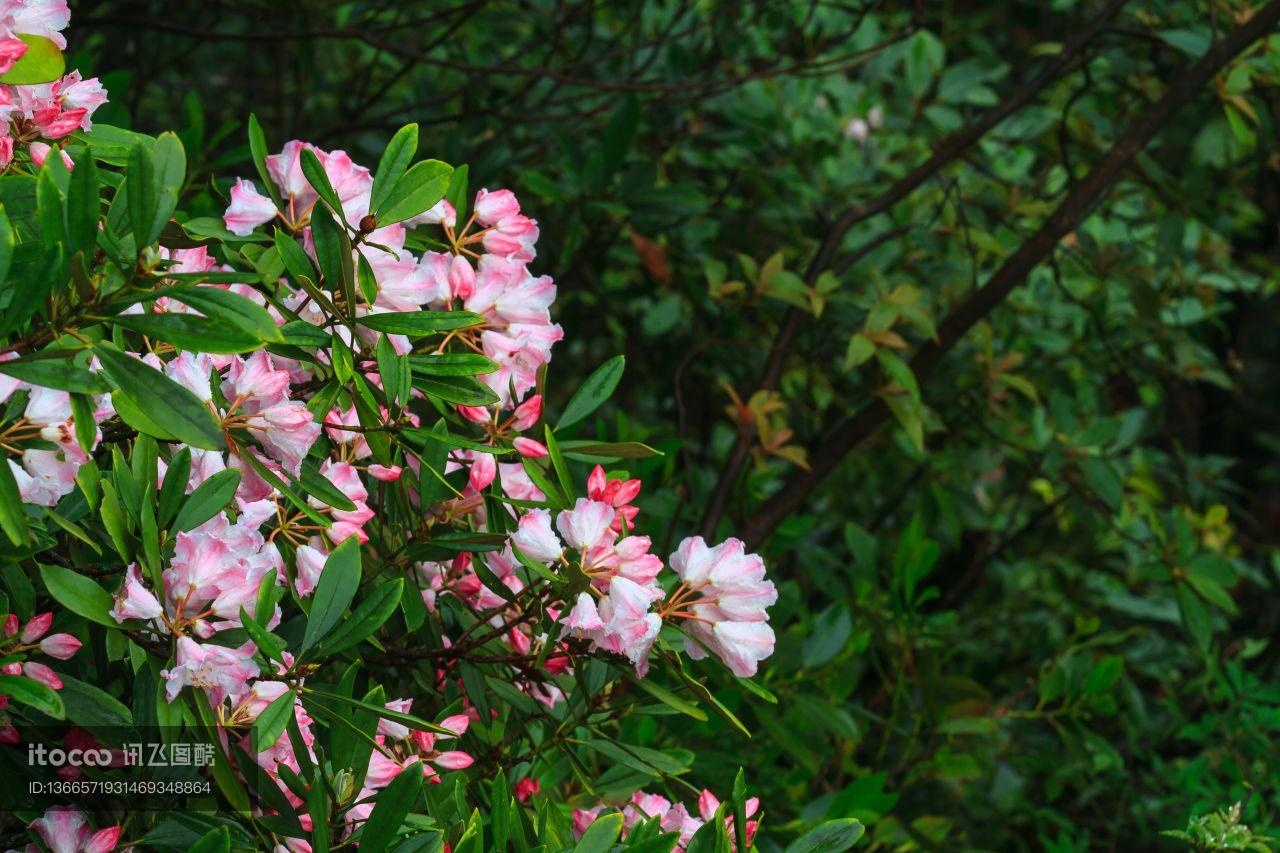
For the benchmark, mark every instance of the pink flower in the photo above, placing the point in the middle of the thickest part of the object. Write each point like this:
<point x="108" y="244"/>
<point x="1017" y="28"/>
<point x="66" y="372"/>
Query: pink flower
<point x="527" y="413"/>
<point x="248" y="209"/>
<point x="310" y="562"/>
<point x="742" y="645"/>
<point x="724" y="596"/>
<point x="390" y="728"/>
<point x="525" y="788"/>
<point x="60" y="646"/>
<point x="11" y="50"/>
<point x="586" y="524"/>
<point x="220" y="671"/>
<point x="45" y="18"/>
<point x="616" y="493"/>
<point x="534" y="537"/>
<point x="65" y="830"/>
<point x="346" y="523"/>
<point x="287" y="431"/>
<point x="135" y="601"/>
<point x="584" y="617"/>
<point x="285" y="169"/>
<point x="442" y="214"/>
<point x="583" y="818"/>
<point x="385" y="473"/>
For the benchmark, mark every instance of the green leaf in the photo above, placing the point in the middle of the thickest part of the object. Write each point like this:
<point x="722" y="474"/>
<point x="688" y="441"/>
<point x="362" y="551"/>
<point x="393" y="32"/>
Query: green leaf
<point x="395" y="160"/>
<point x="319" y="180"/>
<point x="333" y="253"/>
<point x="601" y="834"/>
<point x="668" y="698"/>
<point x="34" y="694"/>
<point x="419" y="323"/>
<point x="296" y="261"/>
<point x="143" y="197"/>
<point x="56" y="373"/>
<point x="462" y="390"/>
<point x="601" y="450"/>
<point x="404" y="719"/>
<point x="452" y="364"/>
<point x="416" y="192"/>
<point x="271" y="646"/>
<point x="232" y="308"/>
<point x="190" y="332"/>
<point x="389" y="811"/>
<point x="83" y="208"/>
<point x="91" y="706"/>
<point x="43" y="62"/>
<point x="214" y="841"/>
<point x="207" y="500"/>
<point x="6" y="244"/>
<point x="168" y="409"/>
<point x="830" y="837"/>
<point x="318" y="487"/>
<point x="366" y="618"/>
<point x="339" y="580"/>
<point x="598" y="388"/>
<point x="272" y="721"/>
<point x="258" y="151"/>
<point x="13" y="519"/>
<point x="79" y="594"/>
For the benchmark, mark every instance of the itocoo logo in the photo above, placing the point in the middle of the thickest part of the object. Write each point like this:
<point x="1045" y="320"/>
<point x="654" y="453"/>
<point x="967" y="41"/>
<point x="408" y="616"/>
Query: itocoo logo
<point x="39" y="755"/>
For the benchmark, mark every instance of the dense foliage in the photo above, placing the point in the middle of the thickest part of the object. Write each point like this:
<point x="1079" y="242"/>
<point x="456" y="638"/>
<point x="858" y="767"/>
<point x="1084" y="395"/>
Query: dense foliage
<point x="955" y="313"/>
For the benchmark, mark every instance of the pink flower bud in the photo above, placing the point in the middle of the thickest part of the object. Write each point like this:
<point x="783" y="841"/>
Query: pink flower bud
<point x="37" y="627"/>
<point x="483" y="470"/>
<point x="60" y="646"/>
<point x="462" y="278"/>
<point x="530" y="448"/>
<point x="104" y="840"/>
<point x="42" y="673"/>
<point x="475" y="414"/>
<point x="11" y="625"/>
<point x="40" y="152"/>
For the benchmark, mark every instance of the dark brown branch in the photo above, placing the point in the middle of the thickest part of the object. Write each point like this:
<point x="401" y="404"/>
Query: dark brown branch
<point x="1014" y="271"/>
<point x="944" y="153"/>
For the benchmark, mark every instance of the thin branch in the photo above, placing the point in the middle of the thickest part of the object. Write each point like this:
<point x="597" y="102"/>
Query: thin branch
<point x="1014" y="271"/>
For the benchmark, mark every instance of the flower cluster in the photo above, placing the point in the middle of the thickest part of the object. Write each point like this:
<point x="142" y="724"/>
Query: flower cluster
<point x="318" y="445"/>
<point x="20" y="640"/>
<point x="643" y="807"/>
<point x="38" y="116"/>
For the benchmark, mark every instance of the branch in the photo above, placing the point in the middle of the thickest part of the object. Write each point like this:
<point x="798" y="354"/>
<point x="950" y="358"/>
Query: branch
<point x="947" y="150"/>
<point x="1074" y="208"/>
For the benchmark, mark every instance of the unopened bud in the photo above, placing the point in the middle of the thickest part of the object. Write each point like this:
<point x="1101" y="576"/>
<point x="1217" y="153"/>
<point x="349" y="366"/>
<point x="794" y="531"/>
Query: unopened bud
<point x="368" y="224"/>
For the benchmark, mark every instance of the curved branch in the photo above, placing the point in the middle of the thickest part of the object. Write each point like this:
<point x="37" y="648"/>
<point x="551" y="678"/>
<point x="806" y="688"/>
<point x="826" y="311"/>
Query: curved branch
<point x="1013" y="272"/>
<point x="945" y="152"/>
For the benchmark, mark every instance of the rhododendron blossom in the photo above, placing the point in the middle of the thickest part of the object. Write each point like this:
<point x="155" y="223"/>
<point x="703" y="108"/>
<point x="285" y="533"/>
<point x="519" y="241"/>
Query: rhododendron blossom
<point x="288" y="455"/>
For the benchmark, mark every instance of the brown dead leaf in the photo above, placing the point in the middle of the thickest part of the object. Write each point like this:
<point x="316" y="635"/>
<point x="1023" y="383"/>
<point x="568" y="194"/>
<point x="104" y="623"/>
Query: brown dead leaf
<point x="653" y="255"/>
